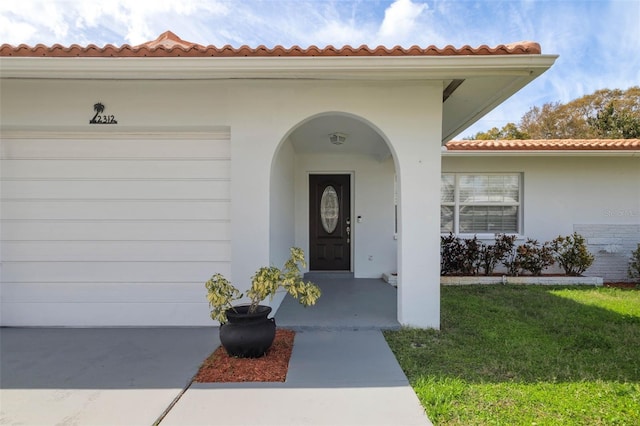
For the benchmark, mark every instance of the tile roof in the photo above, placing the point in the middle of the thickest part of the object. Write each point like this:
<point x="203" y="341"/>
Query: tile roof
<point x="170" y="45"/>
<point x="545" y="145"/>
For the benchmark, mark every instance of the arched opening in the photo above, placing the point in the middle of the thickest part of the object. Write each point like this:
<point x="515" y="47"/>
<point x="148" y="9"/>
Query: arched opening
<point x="336" y="200"/>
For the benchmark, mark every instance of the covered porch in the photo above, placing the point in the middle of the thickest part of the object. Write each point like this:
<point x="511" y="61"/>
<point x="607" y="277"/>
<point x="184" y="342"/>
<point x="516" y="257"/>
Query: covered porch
<point x="347" y="303"/>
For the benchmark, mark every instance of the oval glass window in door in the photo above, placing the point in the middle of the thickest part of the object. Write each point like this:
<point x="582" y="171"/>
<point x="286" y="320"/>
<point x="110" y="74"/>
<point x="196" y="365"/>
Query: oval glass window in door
<point x="329" y="209"/>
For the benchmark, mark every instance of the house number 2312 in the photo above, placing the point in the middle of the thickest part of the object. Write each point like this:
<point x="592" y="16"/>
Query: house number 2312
<point x="100" y="118"/>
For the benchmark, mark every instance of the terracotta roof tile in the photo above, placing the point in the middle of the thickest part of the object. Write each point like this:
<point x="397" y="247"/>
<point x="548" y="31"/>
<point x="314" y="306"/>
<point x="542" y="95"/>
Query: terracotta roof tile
<point x="545" y="145"/>
<point x="170" y="45"/>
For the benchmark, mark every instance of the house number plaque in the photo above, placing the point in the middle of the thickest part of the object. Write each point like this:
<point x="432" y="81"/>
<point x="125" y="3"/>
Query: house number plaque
<point x="100" y="118"/>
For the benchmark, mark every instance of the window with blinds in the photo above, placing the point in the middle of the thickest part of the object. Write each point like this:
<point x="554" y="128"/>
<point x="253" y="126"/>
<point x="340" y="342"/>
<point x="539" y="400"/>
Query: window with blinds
<point x="480" y="203"/>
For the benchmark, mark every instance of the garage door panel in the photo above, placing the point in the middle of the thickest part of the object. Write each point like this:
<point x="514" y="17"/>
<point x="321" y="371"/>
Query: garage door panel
<point x="100" y="272"/>
<point x="116" y="169"/>
<point x="116" y="209"/>
<point x="98" y="314"/>
<point x="115" y="148"/>
<point x="123" y="251"/>
<point x="121" y="189"/>
<point x="130" y="292"/>
<point x="46" y="230"/>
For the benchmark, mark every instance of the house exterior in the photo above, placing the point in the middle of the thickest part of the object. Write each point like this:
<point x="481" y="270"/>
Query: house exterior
<point x="131" y="174"/>
<point x="545" y="188"/>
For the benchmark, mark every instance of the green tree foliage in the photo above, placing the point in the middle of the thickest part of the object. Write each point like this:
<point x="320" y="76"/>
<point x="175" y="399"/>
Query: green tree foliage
<point x="509" y="131"/>
<point x="614" y="123"/>
<point x="604" y="114"/>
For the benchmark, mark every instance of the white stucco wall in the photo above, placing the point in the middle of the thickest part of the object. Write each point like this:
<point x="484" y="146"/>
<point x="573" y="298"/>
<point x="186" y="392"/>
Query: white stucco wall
<point x="147" y="276"/>
<point x="562" y="194"/>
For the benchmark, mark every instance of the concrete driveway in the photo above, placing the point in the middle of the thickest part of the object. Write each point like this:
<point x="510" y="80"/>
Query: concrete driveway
<point x="96" y="376"/>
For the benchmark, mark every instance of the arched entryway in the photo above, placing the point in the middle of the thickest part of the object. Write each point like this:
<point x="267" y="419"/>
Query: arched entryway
<point x="333" y="194"/>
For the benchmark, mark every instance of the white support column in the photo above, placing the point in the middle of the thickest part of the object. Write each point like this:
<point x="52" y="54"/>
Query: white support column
<point x="418" y="168"/>
<point x="419" y="242"/>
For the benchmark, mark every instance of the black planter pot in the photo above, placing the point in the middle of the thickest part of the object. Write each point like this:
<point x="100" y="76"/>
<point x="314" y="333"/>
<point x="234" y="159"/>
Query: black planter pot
<point x="248" y="335"/>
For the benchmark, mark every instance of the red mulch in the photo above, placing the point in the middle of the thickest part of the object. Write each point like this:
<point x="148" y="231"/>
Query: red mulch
<point x="272" y="367"/>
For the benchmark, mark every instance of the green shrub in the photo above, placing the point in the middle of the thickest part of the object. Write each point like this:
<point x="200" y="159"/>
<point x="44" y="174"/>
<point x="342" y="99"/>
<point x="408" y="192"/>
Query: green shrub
<point x="469" y="256"/>
<point x="571" y="254"/>
<point x="463" y="257"/>
<point x="530" y="256"/>
<point x="451" y="255"/>
<point x="492" y="254"/>
<point x="472" y="248"/>
<point x="460" y="257"/>
<point x="634" y="264"/>
<point x="512" y="261"/>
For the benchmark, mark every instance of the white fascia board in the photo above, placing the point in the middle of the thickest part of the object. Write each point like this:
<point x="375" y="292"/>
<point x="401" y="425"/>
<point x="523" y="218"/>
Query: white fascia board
<point x="322" y="68"/>
<point x="544" y="153"/>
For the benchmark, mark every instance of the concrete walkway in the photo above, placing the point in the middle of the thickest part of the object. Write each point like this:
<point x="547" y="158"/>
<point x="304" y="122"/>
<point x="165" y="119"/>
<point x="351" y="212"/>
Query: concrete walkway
<point x="335" y="378"/>
<point x="341" y="372"/>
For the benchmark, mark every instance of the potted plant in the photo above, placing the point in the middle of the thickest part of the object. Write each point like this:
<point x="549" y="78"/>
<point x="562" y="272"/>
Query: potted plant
<point x="245" y="330"/>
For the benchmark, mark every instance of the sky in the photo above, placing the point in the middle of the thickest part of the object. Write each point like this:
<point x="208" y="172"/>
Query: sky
<point x="598" y="41"/>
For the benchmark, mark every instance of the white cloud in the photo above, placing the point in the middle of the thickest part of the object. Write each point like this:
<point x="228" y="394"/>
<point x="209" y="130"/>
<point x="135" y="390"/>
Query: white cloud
<point x="337" y="33"/>
<point x="31" y="20"/>
<point x="144" y="20"/>
<point x="16" y="33"/>
<point x="83" y="22"/>
<point x="400" y="21"/>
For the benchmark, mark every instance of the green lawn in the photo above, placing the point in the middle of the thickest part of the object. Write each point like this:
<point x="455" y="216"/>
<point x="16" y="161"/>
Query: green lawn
<point x="528" y="355"/>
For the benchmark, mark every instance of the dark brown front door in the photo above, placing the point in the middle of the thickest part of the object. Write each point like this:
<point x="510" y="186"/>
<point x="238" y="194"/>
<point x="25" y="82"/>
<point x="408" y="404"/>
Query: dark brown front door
<point x="329" y="222"/>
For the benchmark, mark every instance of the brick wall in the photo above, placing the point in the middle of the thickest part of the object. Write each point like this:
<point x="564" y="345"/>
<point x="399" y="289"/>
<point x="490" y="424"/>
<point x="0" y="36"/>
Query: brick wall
<point x="611" y="245"/>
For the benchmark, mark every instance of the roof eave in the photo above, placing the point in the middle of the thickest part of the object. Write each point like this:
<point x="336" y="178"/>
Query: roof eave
<point x="322" y="68"/>
<point x="543" y="153"/>
<point x="482" y="92"/>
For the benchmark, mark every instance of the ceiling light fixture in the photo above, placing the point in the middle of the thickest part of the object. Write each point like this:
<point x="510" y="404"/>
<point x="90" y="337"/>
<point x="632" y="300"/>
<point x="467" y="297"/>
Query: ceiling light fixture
<point x="337" y="138"/>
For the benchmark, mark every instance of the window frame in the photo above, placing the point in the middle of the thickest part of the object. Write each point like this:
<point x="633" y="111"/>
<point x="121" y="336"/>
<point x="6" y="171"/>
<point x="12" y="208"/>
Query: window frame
<point x="456" y="205"/>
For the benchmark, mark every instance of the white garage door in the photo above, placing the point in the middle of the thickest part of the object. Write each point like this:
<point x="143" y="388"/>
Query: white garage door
<point x="116" y="231"/>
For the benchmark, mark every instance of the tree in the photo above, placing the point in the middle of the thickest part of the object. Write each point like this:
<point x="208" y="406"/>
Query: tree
<point x="604" y="114"/>
<point x="615" y="124"/>
<point x="509" y="131"/>
<point x="554" y="121"/>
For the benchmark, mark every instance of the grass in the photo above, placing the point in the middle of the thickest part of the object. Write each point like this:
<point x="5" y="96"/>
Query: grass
<point x="527" y="355"/>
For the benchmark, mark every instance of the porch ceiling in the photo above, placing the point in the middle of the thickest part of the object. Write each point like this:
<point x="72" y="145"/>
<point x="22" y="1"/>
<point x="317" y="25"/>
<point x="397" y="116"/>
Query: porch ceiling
<point x="313" y="137"/>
